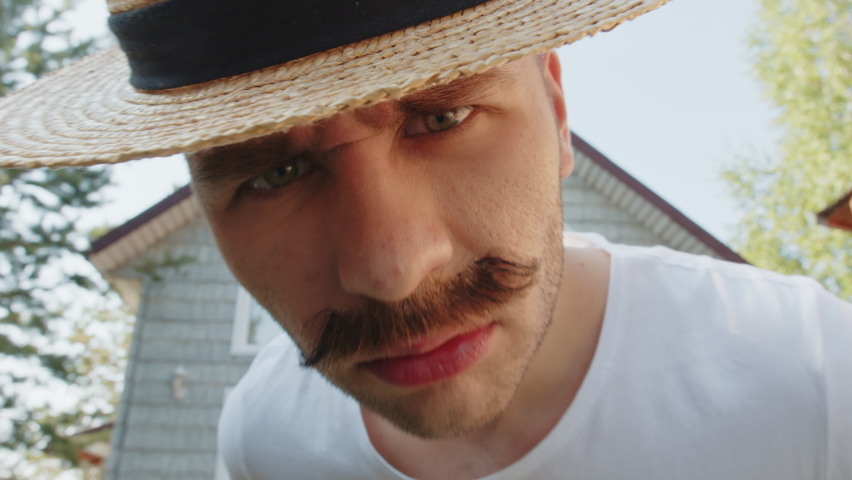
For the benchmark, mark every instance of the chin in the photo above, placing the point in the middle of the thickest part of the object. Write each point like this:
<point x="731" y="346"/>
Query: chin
<point x="455" y="406"/>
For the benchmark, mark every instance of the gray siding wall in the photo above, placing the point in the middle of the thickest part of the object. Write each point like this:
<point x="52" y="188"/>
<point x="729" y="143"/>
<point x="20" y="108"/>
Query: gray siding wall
<point x="586" y="210"/>
<point x="185" y="319"/>
<point x="594" y="200"/>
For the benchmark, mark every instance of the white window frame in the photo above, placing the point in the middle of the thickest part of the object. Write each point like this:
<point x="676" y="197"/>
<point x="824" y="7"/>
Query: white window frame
<point x="240" y="344"/>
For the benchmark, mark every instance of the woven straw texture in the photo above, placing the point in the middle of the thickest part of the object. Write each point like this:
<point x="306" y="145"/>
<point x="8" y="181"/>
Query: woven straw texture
<point x="87" y="113"/>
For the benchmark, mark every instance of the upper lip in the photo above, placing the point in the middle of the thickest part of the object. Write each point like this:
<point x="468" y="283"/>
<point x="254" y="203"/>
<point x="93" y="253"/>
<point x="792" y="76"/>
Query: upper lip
<point x="421" y="345"/>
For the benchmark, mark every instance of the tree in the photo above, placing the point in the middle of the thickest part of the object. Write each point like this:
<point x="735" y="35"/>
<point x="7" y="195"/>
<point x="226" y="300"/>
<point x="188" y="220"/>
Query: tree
<point x="38" y="244"/>
<point x="803" y="56"/>
<point x="28" y="28"/>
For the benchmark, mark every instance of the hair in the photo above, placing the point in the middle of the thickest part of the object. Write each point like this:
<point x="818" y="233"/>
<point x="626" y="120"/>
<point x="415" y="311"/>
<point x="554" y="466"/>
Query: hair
<point x="485" y="285"/>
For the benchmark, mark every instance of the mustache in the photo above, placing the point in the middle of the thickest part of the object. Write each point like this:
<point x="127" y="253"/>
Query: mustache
<point x="483" y="286"/>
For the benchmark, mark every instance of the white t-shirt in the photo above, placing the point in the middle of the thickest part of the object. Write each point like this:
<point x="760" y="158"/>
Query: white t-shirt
<point x="704" y="370"/>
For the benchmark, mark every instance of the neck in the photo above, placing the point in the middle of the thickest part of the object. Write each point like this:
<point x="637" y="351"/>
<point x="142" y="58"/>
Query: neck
<point x="547" y="390"/>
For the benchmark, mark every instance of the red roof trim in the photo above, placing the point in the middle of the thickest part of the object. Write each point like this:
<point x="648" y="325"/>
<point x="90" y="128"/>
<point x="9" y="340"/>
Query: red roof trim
<point x="106" y="426"/>
<point x="720" y="248"/>
<point x="160" y="207"/>
<point x="717" y="246"/>
<point x="836" y="214"/>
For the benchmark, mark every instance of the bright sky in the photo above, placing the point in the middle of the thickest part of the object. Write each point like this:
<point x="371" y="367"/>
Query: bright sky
<point x="669" y="97"/>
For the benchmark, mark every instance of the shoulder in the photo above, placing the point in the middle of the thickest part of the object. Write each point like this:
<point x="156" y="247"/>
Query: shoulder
<point x="755" y="361"/>
<point x="279" y="414"/>
<point x="712" y="282"/>
<point x="778" y="347"/>
<point x="275" y="382"/>
<point x="702" y="284"/>
<point x="791" y="315"/>
<point x="236" y="431"/>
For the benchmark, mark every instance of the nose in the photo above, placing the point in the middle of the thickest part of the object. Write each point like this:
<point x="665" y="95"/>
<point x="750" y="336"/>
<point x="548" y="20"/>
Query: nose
<point x="390" y="235"/>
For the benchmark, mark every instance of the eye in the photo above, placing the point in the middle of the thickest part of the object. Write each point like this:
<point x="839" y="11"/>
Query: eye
<point x="282" y="175"/>
<point x="436" y="122"/>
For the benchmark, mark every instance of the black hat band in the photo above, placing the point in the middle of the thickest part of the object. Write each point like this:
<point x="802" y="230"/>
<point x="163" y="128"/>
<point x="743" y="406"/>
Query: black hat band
<point x="177" y="43"/>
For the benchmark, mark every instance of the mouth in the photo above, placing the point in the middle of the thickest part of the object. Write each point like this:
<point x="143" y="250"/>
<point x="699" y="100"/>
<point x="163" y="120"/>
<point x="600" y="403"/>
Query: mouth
<point x="432" y="359"/>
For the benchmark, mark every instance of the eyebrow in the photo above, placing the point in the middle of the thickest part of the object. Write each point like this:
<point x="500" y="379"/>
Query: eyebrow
<point x="452" y="94"/>
<point x="220" y="165"/>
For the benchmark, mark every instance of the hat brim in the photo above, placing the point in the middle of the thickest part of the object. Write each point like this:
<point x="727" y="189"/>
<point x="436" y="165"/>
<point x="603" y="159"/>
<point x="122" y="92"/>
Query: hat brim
<point x="87" y="113"/>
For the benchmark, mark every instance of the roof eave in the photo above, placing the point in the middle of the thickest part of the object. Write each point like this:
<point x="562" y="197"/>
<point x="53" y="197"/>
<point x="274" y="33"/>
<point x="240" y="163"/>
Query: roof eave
<point x="838" y="214"/>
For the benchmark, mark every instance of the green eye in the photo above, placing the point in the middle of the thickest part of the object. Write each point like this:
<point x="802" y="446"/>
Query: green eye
<point x="281" y="176"/>
<point x="441" y="121"/>
<point x="436" y="122"/>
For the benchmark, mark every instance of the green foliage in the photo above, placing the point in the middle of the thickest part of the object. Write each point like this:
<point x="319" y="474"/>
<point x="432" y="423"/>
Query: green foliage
<point x="155" y="269"/>
<point x="803" y="56"/>
<point x="33" y="42"/>
<point x="35" y="231"/>
<point x="100" y="340"/>
<point x="99" y="232"/>
<point x="38" y="240"/>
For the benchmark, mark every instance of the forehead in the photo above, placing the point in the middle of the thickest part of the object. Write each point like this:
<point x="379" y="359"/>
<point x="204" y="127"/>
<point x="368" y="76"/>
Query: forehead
<point x="219" y="163"/>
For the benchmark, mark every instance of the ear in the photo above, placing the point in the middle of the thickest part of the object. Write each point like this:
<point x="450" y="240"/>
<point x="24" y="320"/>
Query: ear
<point x="552" y="73"/>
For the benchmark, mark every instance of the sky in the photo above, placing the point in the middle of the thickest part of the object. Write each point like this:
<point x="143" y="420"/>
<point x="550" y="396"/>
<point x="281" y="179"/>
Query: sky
<point x="669" y="97"/>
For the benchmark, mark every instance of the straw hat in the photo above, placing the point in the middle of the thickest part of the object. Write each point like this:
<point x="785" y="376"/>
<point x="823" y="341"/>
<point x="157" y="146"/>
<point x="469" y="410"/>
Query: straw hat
<point x="209" y="73"/>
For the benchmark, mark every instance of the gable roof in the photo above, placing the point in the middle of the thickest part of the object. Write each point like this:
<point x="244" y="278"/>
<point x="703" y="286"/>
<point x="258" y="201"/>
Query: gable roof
<point x="144" y="230"/>
<point x="675" y="228"/>
<point x="135" y="236"/>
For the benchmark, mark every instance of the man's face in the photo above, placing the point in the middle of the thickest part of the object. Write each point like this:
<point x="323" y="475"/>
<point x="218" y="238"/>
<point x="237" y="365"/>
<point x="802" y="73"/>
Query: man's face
<point x="412" y="249"/>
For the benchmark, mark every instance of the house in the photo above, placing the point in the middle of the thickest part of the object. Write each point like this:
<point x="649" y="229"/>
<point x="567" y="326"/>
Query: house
<point x="838" y="214"/>
<point x="93" y="448"/>
<point x="197" y="329"/>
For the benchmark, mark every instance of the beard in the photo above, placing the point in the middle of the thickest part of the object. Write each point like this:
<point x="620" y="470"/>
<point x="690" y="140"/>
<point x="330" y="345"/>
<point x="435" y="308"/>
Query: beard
<point x="376" y="326"/>
<point x="519" y="295"/>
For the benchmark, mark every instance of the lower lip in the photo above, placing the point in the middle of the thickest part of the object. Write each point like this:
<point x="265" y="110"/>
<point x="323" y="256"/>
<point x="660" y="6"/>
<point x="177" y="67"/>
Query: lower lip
<point x="449" y="359"/>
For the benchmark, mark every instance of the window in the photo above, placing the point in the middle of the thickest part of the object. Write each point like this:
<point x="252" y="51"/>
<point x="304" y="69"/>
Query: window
<point x="253" y="326"/>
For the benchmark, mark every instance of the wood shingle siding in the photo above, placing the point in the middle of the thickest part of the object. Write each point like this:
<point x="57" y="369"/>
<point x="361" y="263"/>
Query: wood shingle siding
<point x="184" y="319"/>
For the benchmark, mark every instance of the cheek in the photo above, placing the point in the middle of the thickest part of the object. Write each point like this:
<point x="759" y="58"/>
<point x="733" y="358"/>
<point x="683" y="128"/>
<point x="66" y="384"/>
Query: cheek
<point x="277" y="260"/>
<point x="506" y="192"/>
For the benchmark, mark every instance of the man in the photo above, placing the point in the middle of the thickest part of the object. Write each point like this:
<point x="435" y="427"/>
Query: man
<point x="394" y="204"/>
